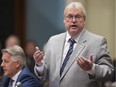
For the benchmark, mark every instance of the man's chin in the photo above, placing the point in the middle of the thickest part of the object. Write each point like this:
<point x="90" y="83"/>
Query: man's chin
<point x="73" y="30"/>
<point x="5" y="74"/>
<point x="73" y="33"/>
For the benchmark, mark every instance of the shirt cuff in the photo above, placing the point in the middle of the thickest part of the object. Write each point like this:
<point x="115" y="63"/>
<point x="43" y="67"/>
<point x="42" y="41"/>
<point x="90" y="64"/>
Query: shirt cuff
<point x="92" y="71"/>
<point x="40" y="68"/>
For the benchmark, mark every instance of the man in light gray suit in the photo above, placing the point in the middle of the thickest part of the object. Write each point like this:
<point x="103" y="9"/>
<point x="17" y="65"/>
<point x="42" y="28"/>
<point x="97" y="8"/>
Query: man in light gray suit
<point x="88" y="63"/>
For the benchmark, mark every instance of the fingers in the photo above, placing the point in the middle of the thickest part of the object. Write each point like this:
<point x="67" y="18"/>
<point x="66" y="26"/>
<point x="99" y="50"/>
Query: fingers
<point x="91" y="58"/>
<point x="84" y="63"/>
<point x="37" y="52"/>
<point x="37" y="48"/>
<point x="38" y="56"/>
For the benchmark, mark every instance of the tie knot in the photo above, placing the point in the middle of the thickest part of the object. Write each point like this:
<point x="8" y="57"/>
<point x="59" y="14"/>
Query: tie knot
<point x="12" y="80"/>
<point x="11" y="83"/>
<point x="71" y="40"/>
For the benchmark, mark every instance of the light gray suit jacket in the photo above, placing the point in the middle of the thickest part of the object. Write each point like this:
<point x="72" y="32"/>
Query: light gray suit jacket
<point x="73" y="75"/>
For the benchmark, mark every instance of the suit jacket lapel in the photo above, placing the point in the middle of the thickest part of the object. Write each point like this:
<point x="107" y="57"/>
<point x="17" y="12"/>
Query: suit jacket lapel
<point x="78" y="49"/>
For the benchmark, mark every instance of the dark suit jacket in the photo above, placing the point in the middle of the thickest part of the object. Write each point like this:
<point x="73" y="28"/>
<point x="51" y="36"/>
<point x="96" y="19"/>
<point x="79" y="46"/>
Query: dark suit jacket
<point x="26" y="78"/>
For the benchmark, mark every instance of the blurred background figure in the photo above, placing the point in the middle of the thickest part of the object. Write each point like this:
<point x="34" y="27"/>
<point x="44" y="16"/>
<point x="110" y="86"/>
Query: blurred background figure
<point x="12" y="40"/>
<point x="29" y="51"/>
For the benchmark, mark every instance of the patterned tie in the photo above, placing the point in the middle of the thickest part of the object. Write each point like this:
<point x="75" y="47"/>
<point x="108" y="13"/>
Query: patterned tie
<point x="70" y="50"/>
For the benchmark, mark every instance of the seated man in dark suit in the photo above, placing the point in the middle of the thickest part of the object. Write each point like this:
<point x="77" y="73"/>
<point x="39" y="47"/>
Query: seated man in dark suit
<point x="14" y="66"/>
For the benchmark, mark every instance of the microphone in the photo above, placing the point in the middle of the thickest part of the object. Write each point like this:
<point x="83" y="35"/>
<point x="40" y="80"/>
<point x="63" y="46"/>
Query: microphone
<point x="18" y="84"/>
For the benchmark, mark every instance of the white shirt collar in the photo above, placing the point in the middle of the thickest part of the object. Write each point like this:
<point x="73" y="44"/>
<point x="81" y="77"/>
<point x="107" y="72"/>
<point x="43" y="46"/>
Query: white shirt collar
<point x="16" y="76"/>
<point x="75" y="38"/>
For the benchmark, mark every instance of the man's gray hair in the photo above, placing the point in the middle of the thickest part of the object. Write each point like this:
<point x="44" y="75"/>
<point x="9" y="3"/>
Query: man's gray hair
<point x="17" y="54"/>
<point x="76" y="5"/>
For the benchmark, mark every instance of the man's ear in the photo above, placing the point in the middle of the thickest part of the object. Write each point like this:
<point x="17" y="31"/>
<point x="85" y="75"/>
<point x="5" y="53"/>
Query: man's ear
<point x="18" y="64"/>
<point x="63" y="21"/>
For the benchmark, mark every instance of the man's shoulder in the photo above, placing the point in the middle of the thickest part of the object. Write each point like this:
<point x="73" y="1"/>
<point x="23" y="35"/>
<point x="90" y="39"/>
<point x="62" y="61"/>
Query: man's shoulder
<point x="60" y="35"/>
<point x="94" y="35"/>
<point x="27" y="77"/>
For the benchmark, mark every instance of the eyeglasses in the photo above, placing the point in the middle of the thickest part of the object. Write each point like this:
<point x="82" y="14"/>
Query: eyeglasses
<point x="77" y="17"/>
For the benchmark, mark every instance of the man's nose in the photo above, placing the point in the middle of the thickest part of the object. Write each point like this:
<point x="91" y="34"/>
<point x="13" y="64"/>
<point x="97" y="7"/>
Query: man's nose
<point x="74" y="19"/>
<point x="2" y="64"/>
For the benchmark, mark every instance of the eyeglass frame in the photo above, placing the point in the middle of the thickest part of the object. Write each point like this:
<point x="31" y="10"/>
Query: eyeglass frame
<point x="77" y="17"/>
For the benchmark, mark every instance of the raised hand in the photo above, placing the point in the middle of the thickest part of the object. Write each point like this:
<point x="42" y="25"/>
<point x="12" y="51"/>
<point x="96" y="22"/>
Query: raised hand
<point x="84" y="63"/>
<point x="38" y="56"/>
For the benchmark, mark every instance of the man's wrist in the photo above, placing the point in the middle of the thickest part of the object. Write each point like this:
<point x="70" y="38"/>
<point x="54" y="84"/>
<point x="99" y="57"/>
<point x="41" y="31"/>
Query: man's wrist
<point x="39" y="64"/>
